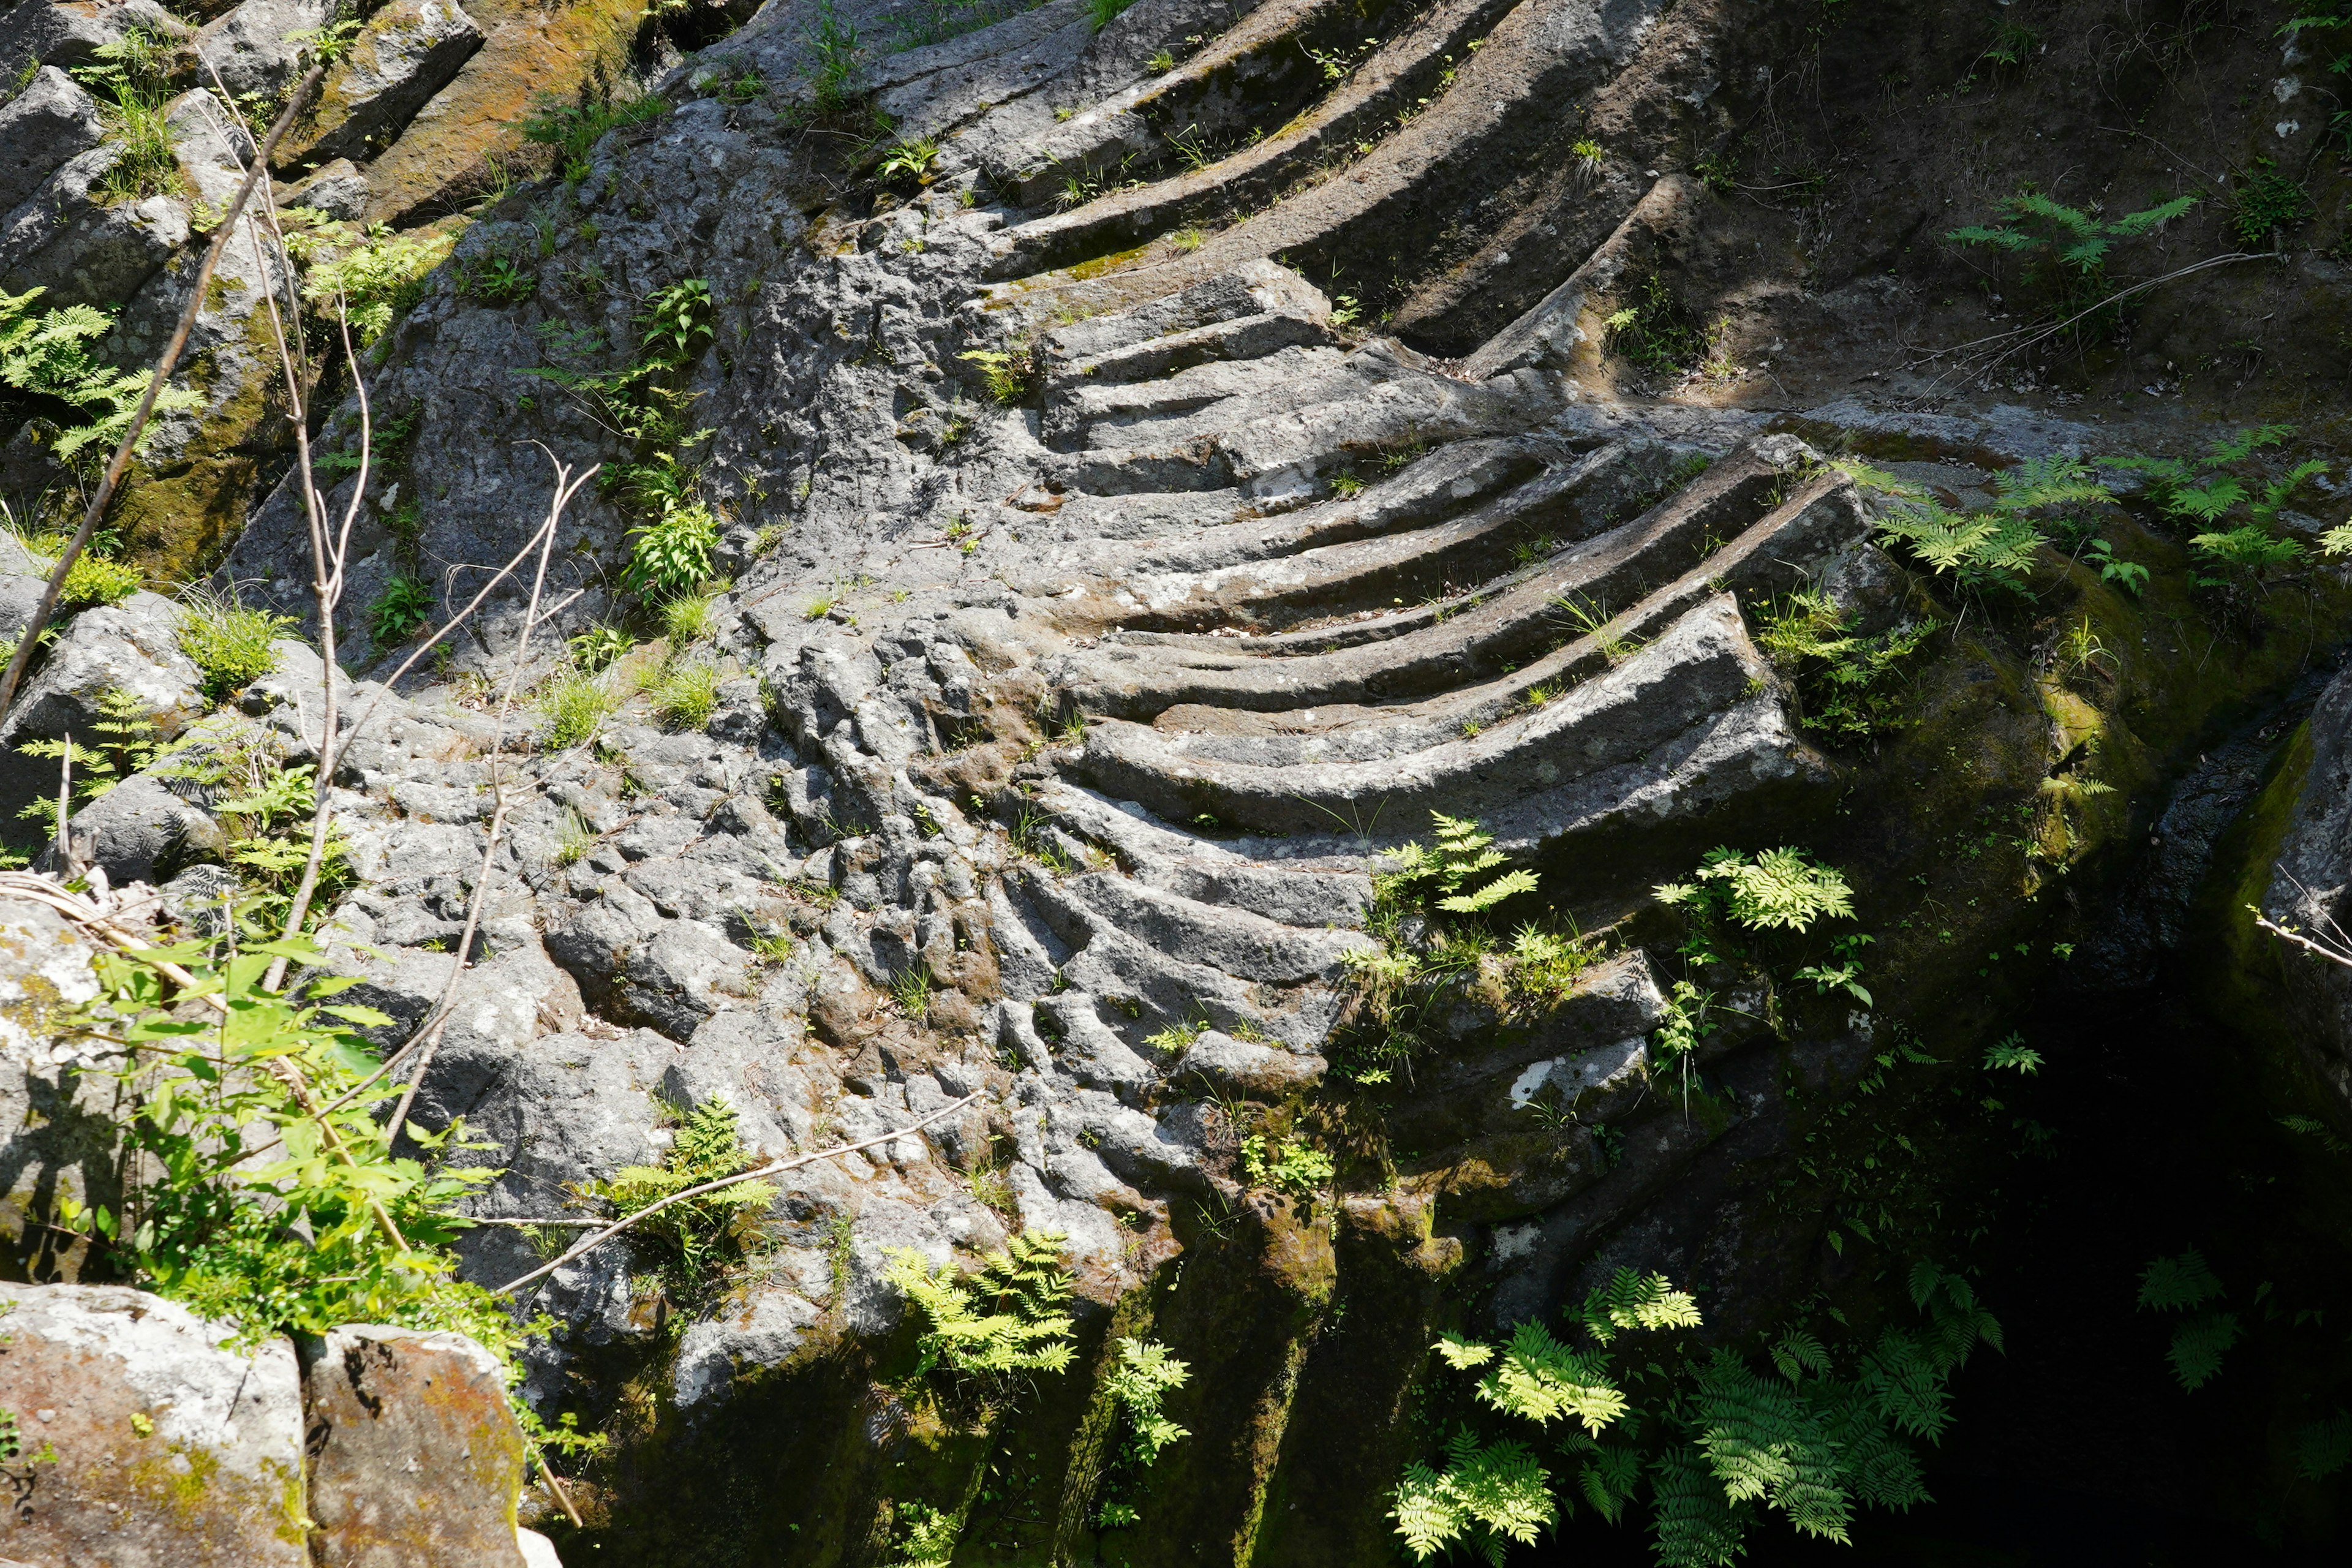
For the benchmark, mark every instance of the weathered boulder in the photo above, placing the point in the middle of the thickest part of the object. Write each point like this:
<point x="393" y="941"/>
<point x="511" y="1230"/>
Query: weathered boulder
<point x="71" y="32"/>
<point x="404" y="54"/>
<point x="415" y="1460"/>
<point x="66" y="237"/>
<point x="150" y="1442"/>
<point x="59" y="1134"/>
<point x="138" y="831"/>
<point x="132" y="646"/>
<point x="257" y="48"/>
<point x="338" y="188"/>
<point x="51" y="120"/>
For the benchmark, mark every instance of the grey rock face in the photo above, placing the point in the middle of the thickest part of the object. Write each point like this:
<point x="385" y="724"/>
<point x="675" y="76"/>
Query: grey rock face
<point x="65" y="238"/>
<point x="338" y="188"/>
<point x="2310" y="891"/>
<point x="59" y="1131"/>
<point x="82" y="1362"/>
<point x="138" y="831"/>
<point x="51" y="121"/>
<point x="132" y="646"/>
<point x="71" y="32"/>
<point x="249" y="47"/>
<point x="405" y="54"/>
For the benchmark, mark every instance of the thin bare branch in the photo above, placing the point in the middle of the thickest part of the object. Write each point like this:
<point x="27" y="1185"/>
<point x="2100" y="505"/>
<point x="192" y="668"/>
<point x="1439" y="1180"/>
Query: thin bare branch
<point x="120" y="462"/>
<point x="775" y="1168"/>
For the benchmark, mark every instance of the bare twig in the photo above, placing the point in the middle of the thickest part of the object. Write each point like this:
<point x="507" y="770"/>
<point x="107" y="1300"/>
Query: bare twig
<point x="774" y="1168"/>
<point x="1965" y="367"/>
<point x="120" y="462"/>
<point x="566" y="487"/>
<point x="2298" y="938"/>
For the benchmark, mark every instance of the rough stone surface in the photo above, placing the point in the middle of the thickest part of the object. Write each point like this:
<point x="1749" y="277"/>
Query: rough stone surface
<point x="131" y="647"/>
<point x="152" y="1443"/>
<point x="414" y="1459"/>
<point x="403" y="56"/>
<point x="58" y="1124"/>
<point x="48" y="123"/>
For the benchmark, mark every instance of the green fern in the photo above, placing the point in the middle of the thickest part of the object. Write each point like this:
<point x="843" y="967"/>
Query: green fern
<point x="695" y="1239"/>
<point x="1778" y="890"/>
<point x="1144" y="1375"/>
<point x="1463" y="852"/>
<point x="1694" y="1525"/>
<point x="1489" y="1494"/>
<point x="1541" y="1380"/>
<point x="1633" y="1300"/>
<point x="2324" y="1446"/>
<point x="2176" y="1284"/>
<point x="2182" y="1284"/>
<point x="1010" y="1317"/>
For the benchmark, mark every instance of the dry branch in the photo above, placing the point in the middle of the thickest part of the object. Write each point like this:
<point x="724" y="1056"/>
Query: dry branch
<point x="775" y="1168"/>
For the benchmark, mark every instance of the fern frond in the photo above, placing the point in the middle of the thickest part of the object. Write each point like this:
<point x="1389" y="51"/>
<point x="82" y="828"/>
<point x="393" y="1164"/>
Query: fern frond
<point x="1799" y="1352"/>
<point x="2132" y="224"/>
<point x="2324" y="1446"/>
<point x="2198" y="1346"/>
<point x="1633" y="1300"/>
<point x="1462" y="1355"/>
<point x="1907" y="1381"/>
<point x="1541" y="1379"/>
<point x="2176" y="1284"/>
<point x="1610" y="1479"/>
<point x="2237" y="448"/>
<point x="1694" y="1524"/>
<point x="1503" y="887"/>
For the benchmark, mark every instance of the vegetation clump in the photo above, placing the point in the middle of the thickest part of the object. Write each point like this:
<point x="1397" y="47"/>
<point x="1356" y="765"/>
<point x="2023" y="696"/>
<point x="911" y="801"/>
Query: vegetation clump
<point x="1709" y="1439"/>
<point x="230" y="644"/>
<point x="1009" y="1316"/>
<point x="694" y="1239"/>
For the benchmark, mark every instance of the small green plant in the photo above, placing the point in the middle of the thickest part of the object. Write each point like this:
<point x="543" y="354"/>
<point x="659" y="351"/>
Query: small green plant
<point x="701" y="1233"/>
<point x="908" y="160"/>
<point x="95" y="579"/>
<point x="686" y="619"/>
<point x="1656" y="331"/>
<point x="130" y="78"/>
<point x="373" y="277"/>
<point x="572" y="130"/>
<point x="48" y="375"/>
<point x="1010" y="1316"/>
<point x="2265" y="204"/>
<point x="2047" y="232"/>
<point x="1850" y="684"/>
<point x="1101" y="14"/>
<point x="2012" y="1054"/>
<point x="911" y="989"/>
<point x="574" y="837"/>
<point x="230" y="644"/>
<point x="1161" y="62"/>
<point x="1463" y="853"/>
<point x="833" y="43"/>
<point x="1008" y="375"/>
<point x="687" y="694"/>
<point x="1301" y="1170"/>
<point x="2241" y="557"/>
<point x="2185" y="1284"/>
<point x="399" y="611"/>
<point x="672" y="553"/>
<point x="1778" y="889"/>
<point x="122" y="742"/>
<point x="600" y="647"/>
<point x="1138" y="1383"/>
<point x="573" y="704"/>
<point x="497" y="279"/>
